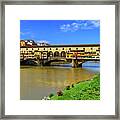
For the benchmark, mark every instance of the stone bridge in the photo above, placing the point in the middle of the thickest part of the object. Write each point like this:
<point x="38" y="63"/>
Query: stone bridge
<point x="45" y="55"/>
<point x="76" y="62"/>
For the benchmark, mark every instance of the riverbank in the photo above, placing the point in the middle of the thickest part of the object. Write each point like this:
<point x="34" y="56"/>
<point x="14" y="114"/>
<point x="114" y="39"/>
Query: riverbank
<point x="39" y="81"/>
<point x="85" y="90"/>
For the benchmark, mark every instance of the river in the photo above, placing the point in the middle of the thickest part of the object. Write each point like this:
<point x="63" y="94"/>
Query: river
<point x="37" y="82"/>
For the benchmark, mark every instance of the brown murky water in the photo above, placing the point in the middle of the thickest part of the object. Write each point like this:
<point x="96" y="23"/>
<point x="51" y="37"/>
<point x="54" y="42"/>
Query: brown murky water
<point x="37" y="82"/>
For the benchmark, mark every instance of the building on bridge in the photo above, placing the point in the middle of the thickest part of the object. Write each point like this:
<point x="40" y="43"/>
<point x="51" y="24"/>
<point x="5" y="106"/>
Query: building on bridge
<point x="68" y="52"/>
<point x="27" y="43"/>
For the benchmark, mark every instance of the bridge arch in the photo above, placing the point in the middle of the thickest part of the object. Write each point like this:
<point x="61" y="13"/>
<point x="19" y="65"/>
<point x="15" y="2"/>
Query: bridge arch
<point x="56" y="54"/>
<point x="29" y="61"/>
<point x="50" y="54"/>
<point x="63" y="54"/>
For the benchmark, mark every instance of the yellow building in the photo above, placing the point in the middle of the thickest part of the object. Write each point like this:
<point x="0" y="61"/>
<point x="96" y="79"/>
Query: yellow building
<point x="82" y="51"/>
<point x="22" y="43"/>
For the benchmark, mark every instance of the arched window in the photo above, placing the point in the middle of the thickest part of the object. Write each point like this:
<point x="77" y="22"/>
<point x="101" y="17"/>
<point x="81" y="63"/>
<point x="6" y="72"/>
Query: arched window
<point x="56" y="54"/>
<point x="63" y="54"/>
<point x="50" y="54"/>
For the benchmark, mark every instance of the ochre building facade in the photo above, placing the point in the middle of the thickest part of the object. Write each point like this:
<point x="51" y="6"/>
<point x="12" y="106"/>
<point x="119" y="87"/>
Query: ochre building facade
<point x="82" y="51"/>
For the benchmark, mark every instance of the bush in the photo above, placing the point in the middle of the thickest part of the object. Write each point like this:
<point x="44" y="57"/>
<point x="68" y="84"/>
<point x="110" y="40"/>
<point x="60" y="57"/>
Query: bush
<point x="67" y="87"/>
<point x="51" y="95"/>
<point x="72" y="85"/>
<point x="59" y="93"/>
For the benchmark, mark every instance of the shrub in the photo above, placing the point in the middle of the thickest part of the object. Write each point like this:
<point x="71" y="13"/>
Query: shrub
<point x="51" y="95"/>
<point x="59" y="93"/>
<point x="72" y="85"/>
<point x="67" y="87"/>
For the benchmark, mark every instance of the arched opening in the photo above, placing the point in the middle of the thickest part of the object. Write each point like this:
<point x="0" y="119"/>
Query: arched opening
<point x="63" y="54"/>
<point x="56" y="54"/>
<point x="50" y="54"/>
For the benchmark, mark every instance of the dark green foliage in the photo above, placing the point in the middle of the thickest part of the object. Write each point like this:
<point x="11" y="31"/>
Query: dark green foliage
<point x="51" y="95"/>
<point x="72" y="85"/>
<point x="67" y="87"/>
<point x="87" y="90"/>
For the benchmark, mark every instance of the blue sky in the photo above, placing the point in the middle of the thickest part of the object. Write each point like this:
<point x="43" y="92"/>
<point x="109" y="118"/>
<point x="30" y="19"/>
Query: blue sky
<point x="61" y="31"/>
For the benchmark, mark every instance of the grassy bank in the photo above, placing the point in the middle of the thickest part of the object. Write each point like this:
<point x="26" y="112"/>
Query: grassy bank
<point x="86" y="90"/>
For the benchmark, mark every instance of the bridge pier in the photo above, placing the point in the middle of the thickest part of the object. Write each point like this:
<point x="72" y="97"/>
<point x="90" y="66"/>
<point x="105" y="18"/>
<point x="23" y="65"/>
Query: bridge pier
<point x="80" y="65"/>
<point x="46" y="63"/>
<point x="75" y="63"/>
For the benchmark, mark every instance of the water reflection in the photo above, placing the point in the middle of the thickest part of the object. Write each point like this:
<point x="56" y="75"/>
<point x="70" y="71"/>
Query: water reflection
<point x="37" y="82"/>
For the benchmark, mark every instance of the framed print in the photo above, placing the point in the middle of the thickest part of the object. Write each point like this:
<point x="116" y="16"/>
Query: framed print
<point x="60" y="60"/>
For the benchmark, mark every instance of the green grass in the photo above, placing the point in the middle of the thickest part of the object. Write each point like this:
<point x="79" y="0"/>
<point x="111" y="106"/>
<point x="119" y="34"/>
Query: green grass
<point x="86" y="90"/>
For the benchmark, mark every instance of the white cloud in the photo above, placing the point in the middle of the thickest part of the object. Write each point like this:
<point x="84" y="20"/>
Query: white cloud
<point x="65" y="27"/>
<point x="24" y="33"/>
<point x="75" y="26"/>
<point x="30" y="34"/>
<point x="96" y="23"/>
<point x="80" y="25"/>
<point x="42" y="41"/>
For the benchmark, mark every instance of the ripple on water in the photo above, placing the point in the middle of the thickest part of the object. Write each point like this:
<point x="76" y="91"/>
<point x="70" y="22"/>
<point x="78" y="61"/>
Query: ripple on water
<point x="37" y="82"/>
